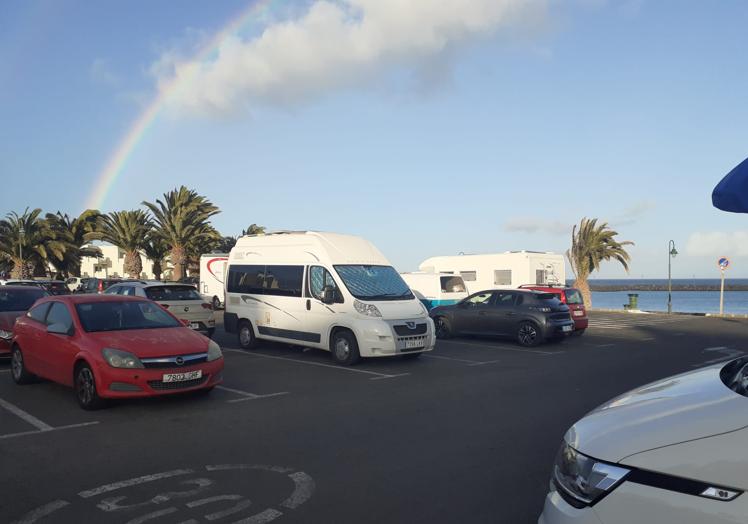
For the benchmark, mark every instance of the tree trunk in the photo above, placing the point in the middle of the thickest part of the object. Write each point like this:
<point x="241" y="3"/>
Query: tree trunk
<point x="178" y="261"/>
<point x="583" y="285"/>
<point x="20" y="271"/>
<point x="133" y="264"/>
<point x="157" y="269"/>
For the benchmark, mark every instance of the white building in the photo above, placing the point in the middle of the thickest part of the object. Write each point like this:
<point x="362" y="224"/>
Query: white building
<point x="111" y="263"/>
<point x="501" y="270"/>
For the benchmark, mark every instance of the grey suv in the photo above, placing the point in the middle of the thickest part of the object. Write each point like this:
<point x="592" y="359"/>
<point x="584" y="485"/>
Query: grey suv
<point x="529" y="316"/>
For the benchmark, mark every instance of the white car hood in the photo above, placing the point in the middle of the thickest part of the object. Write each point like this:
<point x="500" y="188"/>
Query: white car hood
<point x="678" y="409"/>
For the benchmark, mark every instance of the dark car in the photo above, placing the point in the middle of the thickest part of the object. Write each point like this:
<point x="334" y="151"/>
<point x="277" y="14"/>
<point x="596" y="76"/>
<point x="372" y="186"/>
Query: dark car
<point x="570" y="296"/>
<point x="531" y="317"/>
<point x="14" y="302"/>
<point x="98" y="285"/>
<point x="55" y="287"/>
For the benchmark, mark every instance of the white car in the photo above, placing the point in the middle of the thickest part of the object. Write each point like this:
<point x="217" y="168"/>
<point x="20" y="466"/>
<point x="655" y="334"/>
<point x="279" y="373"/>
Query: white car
<point x="671" y="452"/>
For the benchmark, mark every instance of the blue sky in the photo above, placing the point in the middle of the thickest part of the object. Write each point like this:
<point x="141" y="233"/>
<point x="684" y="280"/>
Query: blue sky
<point x="629" y="111"/>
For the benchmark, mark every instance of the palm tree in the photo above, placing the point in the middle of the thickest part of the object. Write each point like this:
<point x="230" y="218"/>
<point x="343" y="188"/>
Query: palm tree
<point x="156" y="250"/>
<point x="253" y="229"/>
<point x="591" y="245"/>
<point x="127" y="230"/>
<point x="29" y="243"/>
<point x="76" y="233"/>
<point x="182" y="222"/>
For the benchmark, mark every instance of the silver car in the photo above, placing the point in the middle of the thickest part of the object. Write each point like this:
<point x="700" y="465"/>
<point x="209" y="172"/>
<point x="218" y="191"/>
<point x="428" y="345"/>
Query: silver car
<point x="181" y="300"/>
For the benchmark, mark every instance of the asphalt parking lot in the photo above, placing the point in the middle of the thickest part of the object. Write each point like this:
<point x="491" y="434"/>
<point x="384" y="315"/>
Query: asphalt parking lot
<point x="467" y="433"/>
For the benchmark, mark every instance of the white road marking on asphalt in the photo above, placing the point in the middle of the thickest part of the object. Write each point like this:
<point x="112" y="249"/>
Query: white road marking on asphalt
<point x="383" y="377"/>
<point x="4" y="371"/>
<point x="494" y="346"/>
<point x="42" y="511"/>
<point x="58" y="428"/>
<point x="648" y="338"/>
<point x="249" y="396"/>
<point x="106" y="488"/>
<point x="27" y="417"/>
<point x="715" y="348"/>
<point x="339" y="368"/>
<point x="261" y="518"/>
<point x="453" y="359"/>
<point x="305" y="486"/>
<point x="257" y="397"/>
<point x="486" y="362"/>
<point x="261" y="467"/>
<point x="604" y="345"/>
<point x="151" y="516"/>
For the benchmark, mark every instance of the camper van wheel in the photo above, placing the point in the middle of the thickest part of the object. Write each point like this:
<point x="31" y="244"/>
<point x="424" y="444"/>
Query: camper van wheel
<point x="344" y="348"/>
<point x="441" y="325"/>
<point x="247" y="338"/>
<point x="216" y="304"/>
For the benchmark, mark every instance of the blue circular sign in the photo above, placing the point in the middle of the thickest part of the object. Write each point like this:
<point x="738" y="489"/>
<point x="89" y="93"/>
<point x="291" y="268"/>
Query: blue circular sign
<point x="723" y="262"/>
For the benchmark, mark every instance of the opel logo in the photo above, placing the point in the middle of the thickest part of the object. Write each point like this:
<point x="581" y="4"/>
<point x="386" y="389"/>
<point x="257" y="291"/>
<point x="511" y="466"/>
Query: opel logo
<point x="411" y="325"/>
<point x="179" y="361"/>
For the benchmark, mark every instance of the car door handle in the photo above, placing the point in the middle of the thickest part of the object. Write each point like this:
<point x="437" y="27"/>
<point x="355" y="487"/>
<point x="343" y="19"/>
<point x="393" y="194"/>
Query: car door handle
<point x="510" y="313"/>
<point x="308" y="305"/>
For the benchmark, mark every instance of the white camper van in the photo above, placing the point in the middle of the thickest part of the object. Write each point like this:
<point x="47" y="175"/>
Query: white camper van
<point x="212" y="276"/>
<point x="501" y="270"/>
<point x="324" y="290"/>
<point x="436" y="289"/>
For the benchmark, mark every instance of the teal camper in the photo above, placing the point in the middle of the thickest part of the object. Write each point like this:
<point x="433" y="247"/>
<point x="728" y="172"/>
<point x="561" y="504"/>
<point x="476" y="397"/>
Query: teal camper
<point x="436" y="289"/>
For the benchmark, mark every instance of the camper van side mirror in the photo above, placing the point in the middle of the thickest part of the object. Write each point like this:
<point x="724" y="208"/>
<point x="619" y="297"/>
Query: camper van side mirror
<point x="328" y="295"/>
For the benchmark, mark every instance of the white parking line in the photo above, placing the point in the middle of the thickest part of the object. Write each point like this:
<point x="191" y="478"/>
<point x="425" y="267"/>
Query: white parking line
<point x="452" y="359"/>
<point x="485" y="362"/>
<point x="494" y="346"/>
<point x="58" y="428"/>
<point x="330" y="366"/>
<point x="246" y="395"/>
<point x="27" y="417"/>
<point x="4" y="371"/>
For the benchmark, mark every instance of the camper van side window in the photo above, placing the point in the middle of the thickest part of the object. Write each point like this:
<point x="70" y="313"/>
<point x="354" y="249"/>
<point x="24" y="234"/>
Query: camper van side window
<point x="319" y="277"/>
<point x="284" y="281"/>
<point x="246" y="279"/>
<point x="468" y="276"/>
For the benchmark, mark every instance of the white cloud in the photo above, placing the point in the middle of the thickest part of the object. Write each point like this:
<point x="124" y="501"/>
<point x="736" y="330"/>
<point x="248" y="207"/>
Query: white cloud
<point x="718" y="243"/>
<point x="336" y="44"/>
<point x="633" y="213"/>
<point x="537" y="225"/>
<point x="102" y="73"/>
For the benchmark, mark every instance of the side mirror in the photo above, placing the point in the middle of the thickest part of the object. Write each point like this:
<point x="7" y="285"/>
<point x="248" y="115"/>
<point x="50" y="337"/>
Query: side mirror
<point x="328" y="295"/>
<point x="60" y="329"/>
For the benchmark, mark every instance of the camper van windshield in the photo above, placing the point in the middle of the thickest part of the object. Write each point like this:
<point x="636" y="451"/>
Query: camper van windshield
<point x="374" y="282"/>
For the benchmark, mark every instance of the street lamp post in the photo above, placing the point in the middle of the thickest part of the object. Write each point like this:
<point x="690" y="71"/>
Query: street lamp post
<point x="671" y="252"/>
<point x="21" y="232"/>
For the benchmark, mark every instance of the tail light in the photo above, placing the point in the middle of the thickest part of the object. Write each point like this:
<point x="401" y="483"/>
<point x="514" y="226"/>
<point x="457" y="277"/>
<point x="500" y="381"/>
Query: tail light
<point x="205" y="305"/>
<point x="101" y="286"/>
<point x="165" y="306"/>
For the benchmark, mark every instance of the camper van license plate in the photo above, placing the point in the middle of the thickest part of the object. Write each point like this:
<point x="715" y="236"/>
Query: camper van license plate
<point x="414" y="344"/>
<point x="194" y="325"/>
<point x="181" y="377"/>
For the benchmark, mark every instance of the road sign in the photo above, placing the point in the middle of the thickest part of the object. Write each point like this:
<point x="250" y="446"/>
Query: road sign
<point x="723" y="263"/>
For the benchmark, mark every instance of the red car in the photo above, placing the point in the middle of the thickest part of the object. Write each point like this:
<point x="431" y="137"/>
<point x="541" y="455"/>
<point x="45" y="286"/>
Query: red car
<point x="572" y="298"/>
<point x="14" y="302"/>
<point x="112" y="346"/>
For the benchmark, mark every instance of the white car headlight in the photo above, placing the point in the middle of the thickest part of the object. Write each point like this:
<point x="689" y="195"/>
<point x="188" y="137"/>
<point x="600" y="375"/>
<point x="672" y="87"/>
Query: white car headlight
<point x="582" y="480"/>
<point x="370" y="310"/>
<point x="121" y="359"/>
<point x="214" y="351"/>
<point x="6" y="335"/>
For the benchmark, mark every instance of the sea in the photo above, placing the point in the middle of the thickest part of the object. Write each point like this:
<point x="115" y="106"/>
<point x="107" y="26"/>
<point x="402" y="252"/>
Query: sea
<point x="735" y="302"/>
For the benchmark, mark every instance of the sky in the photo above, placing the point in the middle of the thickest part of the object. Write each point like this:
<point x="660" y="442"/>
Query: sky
<point x="430" y="128"/>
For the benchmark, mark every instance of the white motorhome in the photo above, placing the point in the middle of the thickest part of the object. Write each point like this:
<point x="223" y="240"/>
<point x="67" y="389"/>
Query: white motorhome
<point x="436" y="289"/>
<point x="323" y="290"/>
<point x="501" y="270"/>
<point x="212" y="277"/>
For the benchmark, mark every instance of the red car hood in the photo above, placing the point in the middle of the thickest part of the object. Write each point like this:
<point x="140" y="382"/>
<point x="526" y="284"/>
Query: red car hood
<point x="147" y="343"/>
<point x="8" y="318"/>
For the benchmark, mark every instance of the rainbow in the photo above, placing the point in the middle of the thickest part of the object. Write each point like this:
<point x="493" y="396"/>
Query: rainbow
<point x="117" y="161"/>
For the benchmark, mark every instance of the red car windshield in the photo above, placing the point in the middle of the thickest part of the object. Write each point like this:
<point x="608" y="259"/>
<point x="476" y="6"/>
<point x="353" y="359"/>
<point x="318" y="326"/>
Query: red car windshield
<point x="120" y="316"/>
